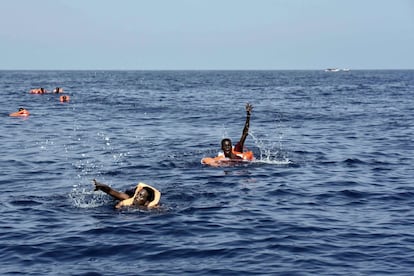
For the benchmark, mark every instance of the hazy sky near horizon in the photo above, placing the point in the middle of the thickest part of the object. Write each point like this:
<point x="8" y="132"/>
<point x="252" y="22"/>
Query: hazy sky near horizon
<point x="206" y="34"/>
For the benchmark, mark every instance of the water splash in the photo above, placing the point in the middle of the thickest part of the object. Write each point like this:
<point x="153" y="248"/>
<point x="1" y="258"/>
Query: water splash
<point x="271" y="152"/>
<point x="83" y="198"/>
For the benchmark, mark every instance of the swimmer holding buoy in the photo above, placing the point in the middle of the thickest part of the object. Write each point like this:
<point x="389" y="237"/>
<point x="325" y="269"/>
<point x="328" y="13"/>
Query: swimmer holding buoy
<point x="44" y="91"/>
<point x="142" y="196"/>
<point x="23" y="112"/>
<point x="64" y="98"/>
<point x="58" y="90"/>
<point x="38" y="91"/>
<point x="232" y="154"/>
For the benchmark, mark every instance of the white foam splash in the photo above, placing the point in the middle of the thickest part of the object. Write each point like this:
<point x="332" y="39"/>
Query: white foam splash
<point x="82" y="198"/>
<point x="273" y="162"/>
<point x="271" y="152"/>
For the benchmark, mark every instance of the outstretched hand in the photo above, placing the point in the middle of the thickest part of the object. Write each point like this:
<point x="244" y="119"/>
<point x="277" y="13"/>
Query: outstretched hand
<point x="249" y="108"/>
<point x="98" y="186"/>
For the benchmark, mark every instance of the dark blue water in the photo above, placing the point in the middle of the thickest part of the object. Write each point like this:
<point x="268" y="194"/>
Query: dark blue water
<point x="331" y="193"/>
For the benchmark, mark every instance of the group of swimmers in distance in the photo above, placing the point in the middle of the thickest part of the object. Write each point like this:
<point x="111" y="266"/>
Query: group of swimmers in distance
<point x="144" y="196"/>
<point x="44" y="91"/>
<point x="23" y="112"/>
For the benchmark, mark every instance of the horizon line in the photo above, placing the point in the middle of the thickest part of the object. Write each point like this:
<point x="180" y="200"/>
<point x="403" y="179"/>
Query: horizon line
<point x="320" y="69"/>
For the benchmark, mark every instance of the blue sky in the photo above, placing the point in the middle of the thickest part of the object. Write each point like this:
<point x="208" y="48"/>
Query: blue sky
<point x="208" y="34"/>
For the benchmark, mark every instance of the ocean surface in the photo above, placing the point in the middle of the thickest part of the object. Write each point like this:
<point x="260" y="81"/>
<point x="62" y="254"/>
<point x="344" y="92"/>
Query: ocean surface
<point x="331" y="191"/>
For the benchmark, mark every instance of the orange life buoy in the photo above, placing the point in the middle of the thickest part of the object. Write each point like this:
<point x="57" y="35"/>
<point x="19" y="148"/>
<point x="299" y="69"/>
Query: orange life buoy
<point x="38" y="91"/>
<point x="213" y="161"/>
<point x="246" y="155"/>
<point x="221" y="159"/>
<point x="21" y="113"/>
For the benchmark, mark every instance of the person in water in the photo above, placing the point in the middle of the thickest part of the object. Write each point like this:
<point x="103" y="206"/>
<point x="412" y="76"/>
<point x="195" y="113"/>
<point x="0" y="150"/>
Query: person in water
<point x="22" y="112"/>
<point x="142" y="196"/>
<point x="58" y="90"/>
<point x="38" y="91"/>
<point x="230" y="154"/>
<point x="226" y="144"/>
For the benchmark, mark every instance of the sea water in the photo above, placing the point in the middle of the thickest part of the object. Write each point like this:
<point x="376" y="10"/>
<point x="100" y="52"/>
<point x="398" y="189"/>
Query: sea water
<point x="330" y="192"/>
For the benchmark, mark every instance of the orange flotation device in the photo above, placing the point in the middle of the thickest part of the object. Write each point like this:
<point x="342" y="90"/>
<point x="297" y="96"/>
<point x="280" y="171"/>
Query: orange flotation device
<point x="64" y="98"/>
<point x="220" y="158"/>
<point x="38" y="91"/>
<point x="246" y="155"/>
<point x="21" y="113"/>
<point x="140" y="186"/>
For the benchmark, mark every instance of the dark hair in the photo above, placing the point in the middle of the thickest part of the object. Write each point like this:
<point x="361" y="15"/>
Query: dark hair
<point x="151" y="194"/>
<point x="225" y="140"/>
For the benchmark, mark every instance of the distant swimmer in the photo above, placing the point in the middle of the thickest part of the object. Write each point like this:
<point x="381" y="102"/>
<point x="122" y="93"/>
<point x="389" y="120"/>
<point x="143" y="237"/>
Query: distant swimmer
<point x="22" y="112"/>
<point x="64" y="98"/>
<point x="142" y="196"/>
<point x="58" y="90"/>
<point x="38" y="91"/>
<point x="233" y="154"/>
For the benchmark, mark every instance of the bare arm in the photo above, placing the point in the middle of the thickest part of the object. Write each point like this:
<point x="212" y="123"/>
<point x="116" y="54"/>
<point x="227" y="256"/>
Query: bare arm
<point x="106" y="189"/>
<point x="249" y="109"/>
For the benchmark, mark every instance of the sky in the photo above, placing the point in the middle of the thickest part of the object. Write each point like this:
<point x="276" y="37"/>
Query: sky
<point x="206" y="34"/>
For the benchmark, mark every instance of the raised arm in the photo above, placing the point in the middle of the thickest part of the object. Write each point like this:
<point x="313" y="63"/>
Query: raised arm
<point x="106" y="189"/>
<point x="240" y="145"/>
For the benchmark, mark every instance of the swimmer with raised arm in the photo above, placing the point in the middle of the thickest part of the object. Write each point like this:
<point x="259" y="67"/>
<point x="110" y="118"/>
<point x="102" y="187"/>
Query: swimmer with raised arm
<point x="226" y="145"/>
<point x="236" y="153"/>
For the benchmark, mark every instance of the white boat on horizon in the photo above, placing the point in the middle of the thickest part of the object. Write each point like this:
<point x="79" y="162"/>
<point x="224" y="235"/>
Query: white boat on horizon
<point x="336" y="70"/>
<point x="332" y="70"/>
